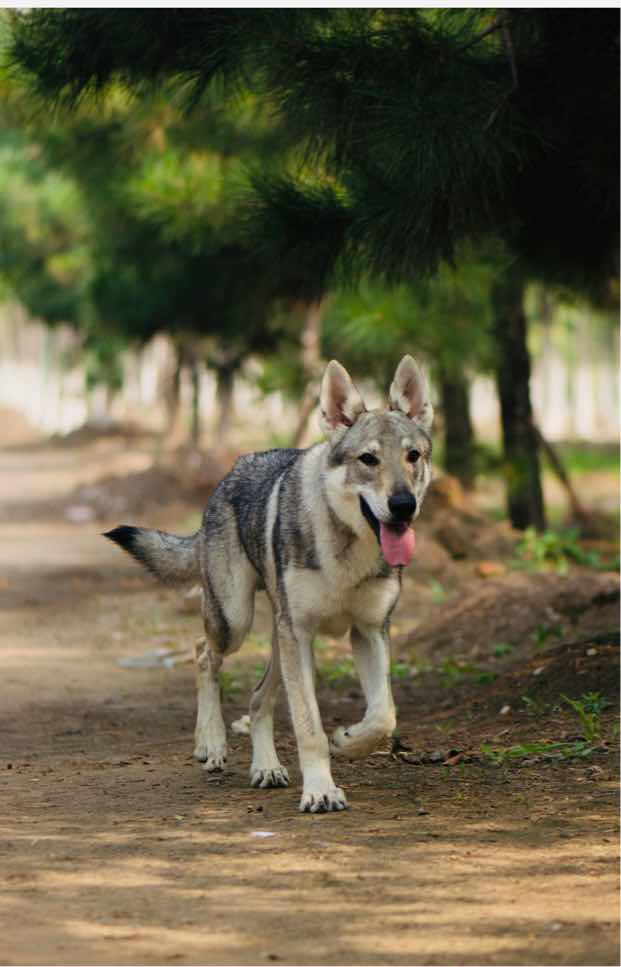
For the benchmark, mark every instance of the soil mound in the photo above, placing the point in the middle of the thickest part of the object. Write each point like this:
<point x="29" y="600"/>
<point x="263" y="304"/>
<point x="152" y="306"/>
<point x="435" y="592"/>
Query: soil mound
<point x="512" y="608"/>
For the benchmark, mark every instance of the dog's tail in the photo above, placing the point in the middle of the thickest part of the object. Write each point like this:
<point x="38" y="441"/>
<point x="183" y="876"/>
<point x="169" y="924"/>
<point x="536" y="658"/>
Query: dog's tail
<point x="172" y="559"/>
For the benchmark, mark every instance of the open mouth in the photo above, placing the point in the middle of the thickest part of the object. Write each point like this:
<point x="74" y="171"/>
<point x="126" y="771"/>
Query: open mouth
<point x="396" y="540"/>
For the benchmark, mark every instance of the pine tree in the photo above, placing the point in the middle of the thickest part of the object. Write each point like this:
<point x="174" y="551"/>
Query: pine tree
<point x="415" y="130"/>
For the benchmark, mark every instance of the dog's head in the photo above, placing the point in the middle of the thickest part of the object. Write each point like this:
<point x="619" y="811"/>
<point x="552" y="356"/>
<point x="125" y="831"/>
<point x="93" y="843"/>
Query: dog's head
<point x="379" y="462"/>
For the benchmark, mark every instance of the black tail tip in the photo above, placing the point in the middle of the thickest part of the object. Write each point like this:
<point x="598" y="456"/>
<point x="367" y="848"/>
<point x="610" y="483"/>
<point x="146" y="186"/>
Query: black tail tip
<point x="124" y="535"/>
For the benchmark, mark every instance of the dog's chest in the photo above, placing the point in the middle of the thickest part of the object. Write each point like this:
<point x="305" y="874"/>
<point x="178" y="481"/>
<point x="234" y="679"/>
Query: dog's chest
<point x="335" y="597"/>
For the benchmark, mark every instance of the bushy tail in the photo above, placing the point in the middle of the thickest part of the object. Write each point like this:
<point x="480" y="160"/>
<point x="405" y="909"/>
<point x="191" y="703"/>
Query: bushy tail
<point x="172" y="559"/>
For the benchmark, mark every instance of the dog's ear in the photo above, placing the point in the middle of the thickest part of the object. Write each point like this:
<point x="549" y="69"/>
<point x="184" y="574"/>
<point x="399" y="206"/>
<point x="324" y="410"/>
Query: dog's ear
<point x="409" y="393"/>
<point x="341" y="403"/>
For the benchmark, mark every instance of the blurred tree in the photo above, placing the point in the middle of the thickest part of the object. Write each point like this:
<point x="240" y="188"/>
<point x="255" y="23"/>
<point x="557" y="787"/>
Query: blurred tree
<point x="167" y="249"/>
<point x="419" y="129"/>
<point x="446" y="318"/>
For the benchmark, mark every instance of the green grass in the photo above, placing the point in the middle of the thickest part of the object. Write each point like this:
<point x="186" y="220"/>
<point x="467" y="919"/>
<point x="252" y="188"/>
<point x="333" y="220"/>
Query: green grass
<point x="546" y="633"/>
<point x="554" y="750"/>
<point x="454" y="671"/>
<point x="589" y="708"/>
<point x="555" y="550"/>
<point x="589" y="458"/>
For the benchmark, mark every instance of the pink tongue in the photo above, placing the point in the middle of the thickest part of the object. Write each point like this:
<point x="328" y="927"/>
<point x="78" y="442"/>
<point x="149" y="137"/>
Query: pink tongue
<point x="397" y="548"/>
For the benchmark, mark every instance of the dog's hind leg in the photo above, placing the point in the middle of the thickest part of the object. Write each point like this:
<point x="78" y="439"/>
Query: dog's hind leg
<point x="266" y="770"/>
<point x="210" y="732"/>
<point x="371" y="650"/>
<point x="227" y="612"/>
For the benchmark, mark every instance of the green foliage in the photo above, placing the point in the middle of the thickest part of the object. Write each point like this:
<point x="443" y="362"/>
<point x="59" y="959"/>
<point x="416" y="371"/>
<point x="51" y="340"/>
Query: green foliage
<point x="446" y="318"/>
<point x="589" y="708"/>
<point x="554" y="549"/>
<point x="455" y="671"/>
<point x="540" y="749"/>
<point x="415" y="135"/>
<point x="337" y="673"/>
<point x="543" y="634"/>
<point x="400" y="671"/>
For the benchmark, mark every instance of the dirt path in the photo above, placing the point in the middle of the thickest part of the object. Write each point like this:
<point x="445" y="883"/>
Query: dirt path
<point x="116" y="848"/>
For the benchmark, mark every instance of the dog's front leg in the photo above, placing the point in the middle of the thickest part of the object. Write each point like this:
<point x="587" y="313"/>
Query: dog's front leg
<point x="371" y="650"/>
<point x="320" y="794"/>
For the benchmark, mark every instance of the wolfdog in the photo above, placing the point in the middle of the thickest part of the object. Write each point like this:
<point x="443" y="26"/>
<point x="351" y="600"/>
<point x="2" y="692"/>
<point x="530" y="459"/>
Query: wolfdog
<point x="325" y="532"/>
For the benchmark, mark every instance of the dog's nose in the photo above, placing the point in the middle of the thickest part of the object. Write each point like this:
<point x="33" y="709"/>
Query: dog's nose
<point x="402" y="505"/>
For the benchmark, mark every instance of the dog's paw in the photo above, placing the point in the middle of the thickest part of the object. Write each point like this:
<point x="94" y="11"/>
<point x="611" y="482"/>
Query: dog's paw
<point x="327" y="800"/>
<point x="348" y="746"/>
<point x="215" y="761"/>
<point x="241" y="726"/>
<point x="357" y="741"/>
<point x="269" y="778"/>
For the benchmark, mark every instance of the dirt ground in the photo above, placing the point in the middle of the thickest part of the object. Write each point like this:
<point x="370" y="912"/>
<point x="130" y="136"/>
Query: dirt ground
<point x="117" y="848"/>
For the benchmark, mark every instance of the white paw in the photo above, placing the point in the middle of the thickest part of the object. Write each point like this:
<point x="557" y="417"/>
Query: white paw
<point x="356" y="742"/>
<point x="269" y="778"/>
<point x="350" y="746"/>
<point x="241" y="726"/>
<point x="327" y="800"/>
<point x="215" y="761"/>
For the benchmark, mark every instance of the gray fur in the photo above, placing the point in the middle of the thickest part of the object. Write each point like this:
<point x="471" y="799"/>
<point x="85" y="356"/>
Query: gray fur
<point x="303" y="525"/>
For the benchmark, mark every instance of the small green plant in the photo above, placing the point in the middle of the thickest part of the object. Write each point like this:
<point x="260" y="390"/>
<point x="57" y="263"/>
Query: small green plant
<point x="501" y="649"/>
<point x="543" y="633"/>
<point x="595" y="702"/>
<point x="588" y="708"/>
<point x="485" y="677"/>
<point x="554" y="750"/>
<point x="228" y="683"/>
<point x="400" y="670"/>
<point x="438" y="592"/>
<point x="453" y="671"/>
<point x="554" y="549"/>
<point x="337" y="673"/>
<point x="534" y="706"/>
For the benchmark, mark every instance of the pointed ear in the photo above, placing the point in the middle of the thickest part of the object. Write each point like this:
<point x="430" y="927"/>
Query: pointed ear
<point x="409" y="393"/>
<point x="341" y="403"/>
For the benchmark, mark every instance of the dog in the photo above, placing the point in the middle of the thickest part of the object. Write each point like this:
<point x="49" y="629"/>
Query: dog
<point x="326" y="533"/>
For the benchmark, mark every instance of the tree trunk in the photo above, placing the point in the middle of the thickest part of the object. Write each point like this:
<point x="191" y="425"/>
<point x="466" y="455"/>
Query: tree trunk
<point x="195" y="425"/>
<point x="171" y="391"/>
<point x="225" y="385"/>
<point x="520" y="441"/>
<point x="311" y="360"/>
<point x="458" y="433"/>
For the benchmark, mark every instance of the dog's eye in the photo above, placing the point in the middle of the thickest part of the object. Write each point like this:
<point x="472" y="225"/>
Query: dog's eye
<point x="413" y="456"/>
<point x="369" y="459"/>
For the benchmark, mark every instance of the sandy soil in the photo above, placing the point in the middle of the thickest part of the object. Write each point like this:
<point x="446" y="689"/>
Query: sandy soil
<point x="116" y="848"/>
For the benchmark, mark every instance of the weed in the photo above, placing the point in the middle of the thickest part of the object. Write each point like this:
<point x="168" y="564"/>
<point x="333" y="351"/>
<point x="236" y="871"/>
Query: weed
<point x="554" y="750"/>
<point x="399" y="670"/>
<point x="554" y="549"/>
<point x="438" y="592"/>
<point x="542" y="634"/>
<point x="502" y="648"/>
<point x="337" y="673"/>
<point x="228" y="683"/>
<point x="588" y="708"/>
<point x="454" y="671"/>
<point x="485" y="677"/>
<point x="535" y="706"/>
<point x="594" y="702"/>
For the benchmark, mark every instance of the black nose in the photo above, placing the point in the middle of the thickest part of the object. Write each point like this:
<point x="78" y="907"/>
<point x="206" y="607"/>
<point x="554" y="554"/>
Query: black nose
<point x="402" y="505"/>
